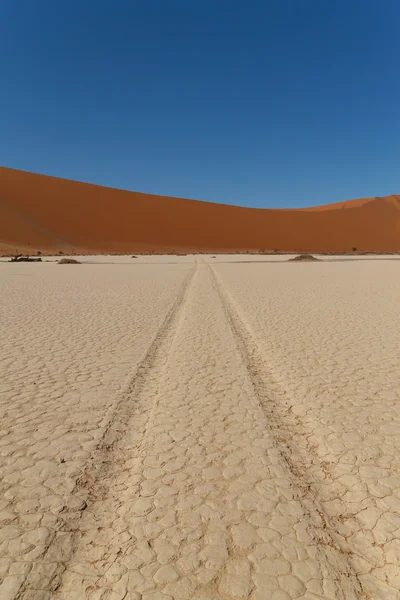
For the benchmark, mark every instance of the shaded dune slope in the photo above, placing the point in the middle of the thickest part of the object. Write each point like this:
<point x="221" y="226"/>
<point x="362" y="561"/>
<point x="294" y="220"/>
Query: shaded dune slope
<point x="44" y="213"/>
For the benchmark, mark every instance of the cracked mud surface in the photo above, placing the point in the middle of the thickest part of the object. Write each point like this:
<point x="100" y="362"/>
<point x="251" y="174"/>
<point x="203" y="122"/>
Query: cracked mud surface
<point x="200" y="430"/>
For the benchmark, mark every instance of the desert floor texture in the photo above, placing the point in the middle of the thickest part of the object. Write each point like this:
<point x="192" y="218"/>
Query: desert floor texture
<point x="200" y="428"/>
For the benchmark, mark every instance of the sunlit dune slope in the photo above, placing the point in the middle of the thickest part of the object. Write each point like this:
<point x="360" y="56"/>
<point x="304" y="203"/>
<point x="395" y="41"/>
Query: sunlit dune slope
<point x="44" y="213"/>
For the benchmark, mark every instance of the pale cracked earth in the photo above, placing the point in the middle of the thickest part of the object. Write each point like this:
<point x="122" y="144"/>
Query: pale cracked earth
<point x="199" y="428"/>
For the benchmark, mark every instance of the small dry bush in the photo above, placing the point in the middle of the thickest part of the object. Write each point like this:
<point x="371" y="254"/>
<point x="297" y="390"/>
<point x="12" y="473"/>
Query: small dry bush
<point x="68" y="261"/>
<point x="304" y="257"/>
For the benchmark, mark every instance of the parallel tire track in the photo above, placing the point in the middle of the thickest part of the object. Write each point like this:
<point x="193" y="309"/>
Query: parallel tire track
<point x="105" y="457"/>
<point x="286" y="429"/>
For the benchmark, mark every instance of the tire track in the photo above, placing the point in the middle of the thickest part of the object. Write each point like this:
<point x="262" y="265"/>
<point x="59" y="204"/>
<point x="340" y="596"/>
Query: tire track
<point x="106" y="462"/>
<point x="291" y="439"/>
<point x="122" y="409"/>
<point x="199" y="503"/>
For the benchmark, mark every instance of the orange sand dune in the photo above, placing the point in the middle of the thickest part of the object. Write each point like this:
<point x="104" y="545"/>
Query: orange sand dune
<point x="50" y="214"/>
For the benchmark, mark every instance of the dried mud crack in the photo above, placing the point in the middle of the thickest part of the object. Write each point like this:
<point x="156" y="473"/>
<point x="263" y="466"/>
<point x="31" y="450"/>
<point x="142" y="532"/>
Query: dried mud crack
<point x="198" y="502"/>
<point x="293" y="445"/>
<point x="204" y="478"/>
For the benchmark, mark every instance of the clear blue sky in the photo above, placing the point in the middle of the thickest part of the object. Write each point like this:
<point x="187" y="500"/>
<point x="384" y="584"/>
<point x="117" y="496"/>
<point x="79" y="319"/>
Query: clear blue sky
<point x="257" y="102"/>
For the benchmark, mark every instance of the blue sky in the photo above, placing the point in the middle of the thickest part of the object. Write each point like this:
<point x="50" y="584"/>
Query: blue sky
<point x="258" y="103"/>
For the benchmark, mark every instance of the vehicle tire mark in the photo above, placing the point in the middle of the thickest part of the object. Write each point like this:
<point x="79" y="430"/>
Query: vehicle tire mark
<point x="292" y="440"/>
<point x="106" y="461"/>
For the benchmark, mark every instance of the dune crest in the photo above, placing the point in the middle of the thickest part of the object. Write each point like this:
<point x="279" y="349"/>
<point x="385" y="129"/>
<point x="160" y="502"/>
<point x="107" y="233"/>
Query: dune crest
<point x="49" y="214"/>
